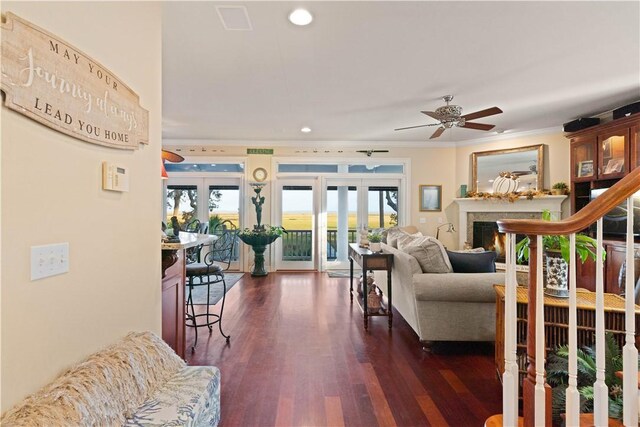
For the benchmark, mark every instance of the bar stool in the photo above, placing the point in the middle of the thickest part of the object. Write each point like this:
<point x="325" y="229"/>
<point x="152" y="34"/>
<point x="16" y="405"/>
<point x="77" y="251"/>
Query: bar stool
<point x="208" y="273"/>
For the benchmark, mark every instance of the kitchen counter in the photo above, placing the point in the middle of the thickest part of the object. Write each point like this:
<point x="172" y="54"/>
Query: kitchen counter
<point x="188" y="240"/>
<point x="173" y="287"/>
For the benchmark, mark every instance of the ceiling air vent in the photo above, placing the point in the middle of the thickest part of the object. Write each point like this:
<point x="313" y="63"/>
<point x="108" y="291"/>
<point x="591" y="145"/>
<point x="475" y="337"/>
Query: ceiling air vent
<point x="234" y="18"/>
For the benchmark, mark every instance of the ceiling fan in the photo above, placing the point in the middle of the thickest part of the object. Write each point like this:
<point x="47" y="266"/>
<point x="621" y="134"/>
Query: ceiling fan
<point x="449" y="116"/>
<point x="370" y="152"/>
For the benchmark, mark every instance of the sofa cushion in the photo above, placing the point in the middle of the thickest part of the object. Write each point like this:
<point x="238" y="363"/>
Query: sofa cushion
<point x="104" y="388"/>
<point x="392" y="235"/>
<point x="190" y="398"/>
<point x="438" y="262"/>
<point x="457" y="287"/>
<point x="473" y="262"/>
<point x="429" y="255"/>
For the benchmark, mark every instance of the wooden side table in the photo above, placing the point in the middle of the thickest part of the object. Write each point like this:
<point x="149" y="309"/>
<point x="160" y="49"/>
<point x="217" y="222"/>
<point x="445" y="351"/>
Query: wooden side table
<point x="556" y="322"/>
<point x="370" y="261"/>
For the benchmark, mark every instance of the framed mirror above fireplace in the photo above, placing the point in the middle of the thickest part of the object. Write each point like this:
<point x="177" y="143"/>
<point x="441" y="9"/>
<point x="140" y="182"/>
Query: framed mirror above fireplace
<point x="524" y="165"/>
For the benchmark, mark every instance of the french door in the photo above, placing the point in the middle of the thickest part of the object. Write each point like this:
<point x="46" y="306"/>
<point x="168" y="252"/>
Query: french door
<point x="209" y="200"/>
<point x="348" y="205"/>
<point x="323" y="215"/>
<point x="297" y="205"/>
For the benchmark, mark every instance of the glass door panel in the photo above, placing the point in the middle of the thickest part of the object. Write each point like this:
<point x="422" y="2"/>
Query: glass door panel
<point x="224" y="205"/>
<point x="583" y="159"/>
<point x="635" y="146"/>
<point x="341" y="223"/>
<point x="296" y="248"/>
<point x="382" y="206"/>
<point x="181" y="202"/>
<point x="614" y="154"/>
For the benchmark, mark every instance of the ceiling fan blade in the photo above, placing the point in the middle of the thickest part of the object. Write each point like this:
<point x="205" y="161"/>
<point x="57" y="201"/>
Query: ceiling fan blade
<point x="413" y="127"/>
<point x="432" y="114"/>
<point x="437" y="133"/>
<point x="171" y="156"/>
<point x="478" y="126"/>
<point x="482" y="113"/>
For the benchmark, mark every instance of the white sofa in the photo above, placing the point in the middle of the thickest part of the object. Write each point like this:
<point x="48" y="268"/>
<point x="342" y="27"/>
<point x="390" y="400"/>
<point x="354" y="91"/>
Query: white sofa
<point x="442" y="307"/>
<point x="139" y="381"/>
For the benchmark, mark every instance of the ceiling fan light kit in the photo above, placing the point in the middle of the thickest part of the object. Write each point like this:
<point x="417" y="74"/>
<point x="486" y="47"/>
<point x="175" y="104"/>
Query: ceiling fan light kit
<point x="451" y="115"/>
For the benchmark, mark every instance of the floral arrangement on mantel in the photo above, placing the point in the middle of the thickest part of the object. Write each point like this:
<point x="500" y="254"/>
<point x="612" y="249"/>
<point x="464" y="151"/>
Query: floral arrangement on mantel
<point x="510" y="197"/>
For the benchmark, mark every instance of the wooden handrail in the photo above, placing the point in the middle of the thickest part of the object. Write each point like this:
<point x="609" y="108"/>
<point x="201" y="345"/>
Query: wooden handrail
<point x="582" y="219"/>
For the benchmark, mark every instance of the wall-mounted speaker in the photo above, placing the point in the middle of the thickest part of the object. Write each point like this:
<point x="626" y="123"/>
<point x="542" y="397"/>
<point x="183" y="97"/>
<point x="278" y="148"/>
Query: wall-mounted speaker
<point x="627" y="110"/>
<point x="581" y="123"/>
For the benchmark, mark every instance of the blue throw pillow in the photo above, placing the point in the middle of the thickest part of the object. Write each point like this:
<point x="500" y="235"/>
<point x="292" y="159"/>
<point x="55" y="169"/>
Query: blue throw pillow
<point x="473" y="262"/>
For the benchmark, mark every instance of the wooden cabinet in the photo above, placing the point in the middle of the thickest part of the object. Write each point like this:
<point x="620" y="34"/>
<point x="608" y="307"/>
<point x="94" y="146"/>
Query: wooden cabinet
<point x="586" y="273"/>
<point x="616" y="254"/>
<point x="601" y="155"/>
<point x="173" y="305"/>
<point x="584" y="158"/>
<point x="613" y="153"/>
<point x="634" y="140"/>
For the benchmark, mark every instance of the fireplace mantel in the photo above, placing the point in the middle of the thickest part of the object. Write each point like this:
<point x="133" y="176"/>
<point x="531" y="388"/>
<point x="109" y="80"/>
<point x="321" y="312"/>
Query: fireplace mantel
<point x="524" y="205"/>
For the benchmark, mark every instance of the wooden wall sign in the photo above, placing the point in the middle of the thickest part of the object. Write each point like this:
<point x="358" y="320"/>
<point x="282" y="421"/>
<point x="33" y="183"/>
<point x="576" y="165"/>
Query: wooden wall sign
<point x="50" y="81"/>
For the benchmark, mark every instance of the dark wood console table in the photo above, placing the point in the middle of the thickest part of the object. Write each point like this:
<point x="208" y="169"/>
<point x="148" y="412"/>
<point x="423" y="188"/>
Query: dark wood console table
<point x="370" y="261"/>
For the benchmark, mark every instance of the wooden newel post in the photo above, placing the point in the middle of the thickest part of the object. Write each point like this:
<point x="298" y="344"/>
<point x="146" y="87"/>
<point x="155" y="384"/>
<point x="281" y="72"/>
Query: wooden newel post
<point x="529" y="383"/>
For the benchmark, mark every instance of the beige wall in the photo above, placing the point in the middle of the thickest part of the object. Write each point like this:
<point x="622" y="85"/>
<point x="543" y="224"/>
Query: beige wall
<point x="449" y="167"/>
<point x="51" y="193"/>
<point x="428" y="166"/>
<point x="556" y="154"/>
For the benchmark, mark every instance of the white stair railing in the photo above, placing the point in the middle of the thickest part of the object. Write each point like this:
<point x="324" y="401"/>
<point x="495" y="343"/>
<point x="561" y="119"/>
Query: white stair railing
<point x="629" y="351"/>
<point x="600" y="390"/>
<point x="511" y="377"/>
<point x="573" y="396"/>
<point x="540" y="394"/>
<point x="536" y="410"/>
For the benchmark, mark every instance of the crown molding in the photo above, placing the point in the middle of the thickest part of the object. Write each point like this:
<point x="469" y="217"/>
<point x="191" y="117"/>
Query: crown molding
<point x="310" y="144"/>
<point x="511" y="135"/>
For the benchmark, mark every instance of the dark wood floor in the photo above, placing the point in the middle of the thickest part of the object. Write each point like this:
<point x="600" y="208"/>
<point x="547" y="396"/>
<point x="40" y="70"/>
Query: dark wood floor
<point x="299" y="356"/>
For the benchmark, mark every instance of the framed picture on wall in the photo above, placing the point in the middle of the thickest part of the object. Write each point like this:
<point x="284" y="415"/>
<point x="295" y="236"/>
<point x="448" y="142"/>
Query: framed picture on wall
<point x="430" y="198"/>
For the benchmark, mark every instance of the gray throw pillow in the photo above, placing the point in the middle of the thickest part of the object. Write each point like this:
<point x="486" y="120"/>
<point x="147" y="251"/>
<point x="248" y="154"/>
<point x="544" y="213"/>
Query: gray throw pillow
<point x="429" y="256"/>
<point x="392" y="236"/>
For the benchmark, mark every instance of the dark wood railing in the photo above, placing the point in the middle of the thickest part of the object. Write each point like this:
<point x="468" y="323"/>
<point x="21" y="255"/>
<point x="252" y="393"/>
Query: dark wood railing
<point x="596" y="209"/>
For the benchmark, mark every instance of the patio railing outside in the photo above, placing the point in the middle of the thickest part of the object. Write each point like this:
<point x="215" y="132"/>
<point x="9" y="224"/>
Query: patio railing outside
<point x="297" y="244"/>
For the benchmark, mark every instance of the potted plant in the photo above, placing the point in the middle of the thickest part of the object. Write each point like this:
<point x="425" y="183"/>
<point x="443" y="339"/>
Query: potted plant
<point x="261" y="235"/>
<point x="557" y="368"/>
<point x="560" y="188"/>
<point x="374" y="241"/>
<point x="556" y="250"/>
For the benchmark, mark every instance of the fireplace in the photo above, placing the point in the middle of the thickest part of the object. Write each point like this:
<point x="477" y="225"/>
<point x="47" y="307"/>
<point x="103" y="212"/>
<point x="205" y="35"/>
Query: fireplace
<point x="486" y="235"/>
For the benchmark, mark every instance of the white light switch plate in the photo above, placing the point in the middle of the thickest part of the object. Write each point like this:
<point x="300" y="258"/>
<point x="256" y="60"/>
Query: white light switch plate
<point x="49" y="260"/>
<point x="423" y="220"/>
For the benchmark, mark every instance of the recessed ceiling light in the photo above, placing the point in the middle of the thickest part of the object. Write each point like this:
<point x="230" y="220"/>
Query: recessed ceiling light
<point x="300" y="17"/>
<point x="305" y="129"/>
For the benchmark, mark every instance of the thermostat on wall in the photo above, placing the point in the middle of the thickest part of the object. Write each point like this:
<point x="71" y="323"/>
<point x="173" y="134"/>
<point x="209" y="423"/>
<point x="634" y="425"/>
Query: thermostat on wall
<point x="114" y="177"/>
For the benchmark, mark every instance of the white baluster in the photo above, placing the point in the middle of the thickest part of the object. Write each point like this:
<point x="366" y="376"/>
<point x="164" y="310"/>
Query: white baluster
<point x="510" y="376"/>
<point x="630" y="352"/>
<point x="539" y="419"/>
<point x="573" y="396"/>
<point x="600" y="401"/>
